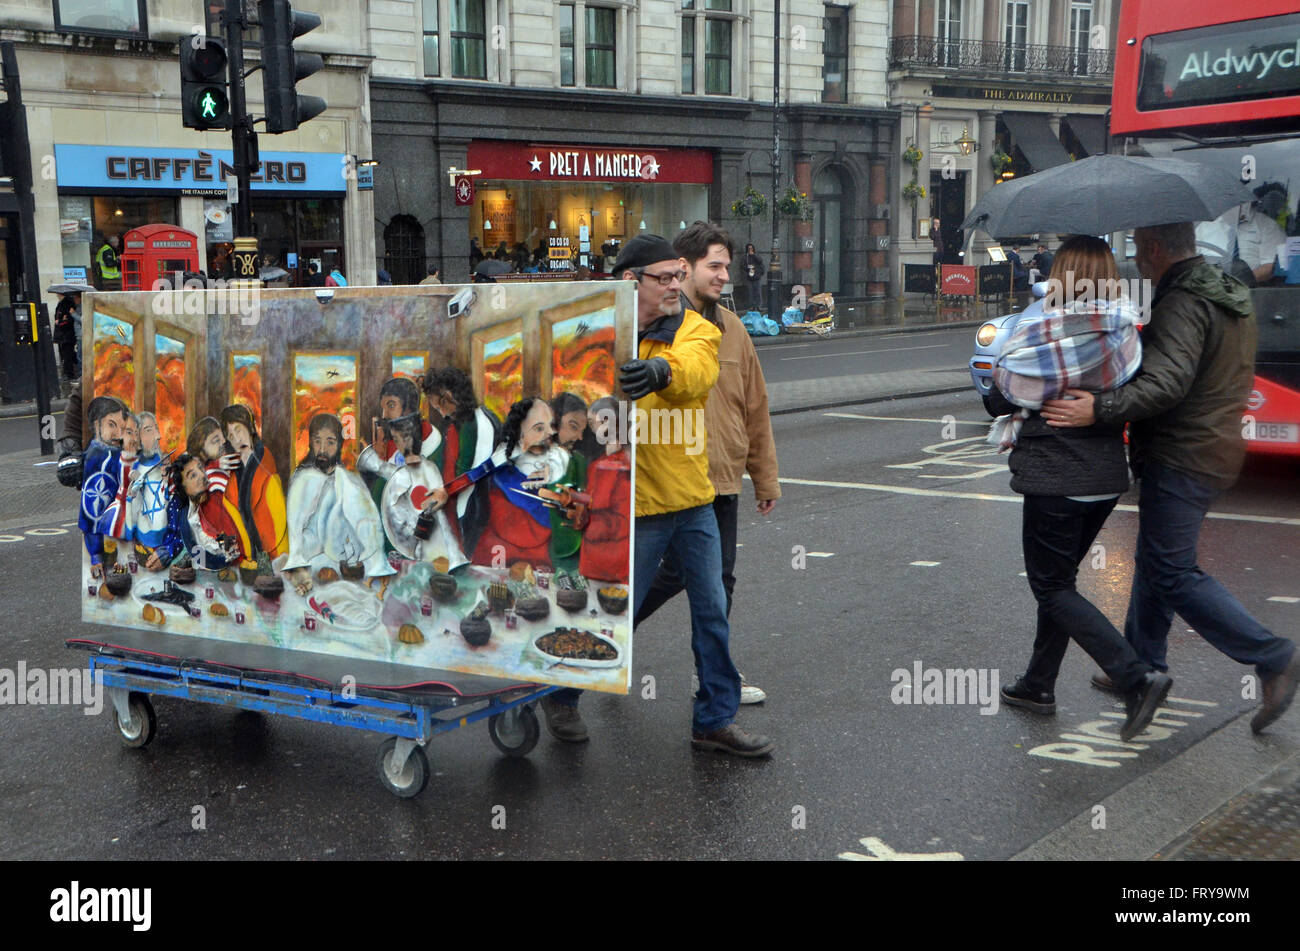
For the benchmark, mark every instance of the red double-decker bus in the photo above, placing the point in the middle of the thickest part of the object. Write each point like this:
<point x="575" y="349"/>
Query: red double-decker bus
<point x="1220" y="84"/>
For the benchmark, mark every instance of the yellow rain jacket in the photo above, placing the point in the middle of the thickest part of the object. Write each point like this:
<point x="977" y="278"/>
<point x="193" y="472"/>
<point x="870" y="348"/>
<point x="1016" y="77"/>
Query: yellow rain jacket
<point x="672" y="461"/>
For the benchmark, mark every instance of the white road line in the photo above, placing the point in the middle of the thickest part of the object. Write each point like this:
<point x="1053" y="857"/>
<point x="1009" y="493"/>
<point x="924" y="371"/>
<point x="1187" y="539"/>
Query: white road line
<point x="1015" y="499"/>
<point x="911" y="419"/>
<point x="1285" y="600"/>
<point x="880" y="852"/>
<point x="820" y="554"/>
<point x="925" y="564"/>
<point x="41" y="532"/>
<point x="11" y="538"/>
<point x="858" y="353"/>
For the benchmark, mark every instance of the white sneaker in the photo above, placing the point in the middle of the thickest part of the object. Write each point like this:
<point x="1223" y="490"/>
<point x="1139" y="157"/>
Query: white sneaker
<point x="748" y="692"/>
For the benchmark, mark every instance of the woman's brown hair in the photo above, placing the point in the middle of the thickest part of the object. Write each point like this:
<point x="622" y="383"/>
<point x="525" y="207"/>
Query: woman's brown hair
<point x="1084" y="258"/>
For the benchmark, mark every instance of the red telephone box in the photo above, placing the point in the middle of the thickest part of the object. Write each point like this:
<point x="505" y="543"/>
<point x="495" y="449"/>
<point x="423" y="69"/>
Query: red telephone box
<point x="151" y="252"/>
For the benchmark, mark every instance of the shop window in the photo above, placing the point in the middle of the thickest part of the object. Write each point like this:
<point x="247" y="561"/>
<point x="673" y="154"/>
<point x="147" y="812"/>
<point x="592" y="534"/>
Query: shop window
<point x="715" y="26"/>
<point x="468" y="39"/>
<point x="86" y="222"/>
<point x="103" y="17"/>
<point x="566" y="44"/>
<point x="835" y="54"/>
<point x="404" y="250"/>
<point x="431" y="64"/>
<point x="600" y="42"/>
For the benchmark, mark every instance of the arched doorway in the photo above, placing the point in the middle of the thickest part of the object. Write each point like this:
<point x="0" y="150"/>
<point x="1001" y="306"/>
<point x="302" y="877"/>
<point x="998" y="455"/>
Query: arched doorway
<point x="828" y="243"/>
<point x="404" y="250"/>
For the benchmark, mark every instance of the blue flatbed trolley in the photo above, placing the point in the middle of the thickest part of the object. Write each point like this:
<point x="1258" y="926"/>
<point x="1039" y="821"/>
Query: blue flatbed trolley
<point x="411" y="716"/>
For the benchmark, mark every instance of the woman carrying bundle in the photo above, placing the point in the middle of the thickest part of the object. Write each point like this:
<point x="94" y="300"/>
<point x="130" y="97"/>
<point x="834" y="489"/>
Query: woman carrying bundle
<point x="1071" y="479"/>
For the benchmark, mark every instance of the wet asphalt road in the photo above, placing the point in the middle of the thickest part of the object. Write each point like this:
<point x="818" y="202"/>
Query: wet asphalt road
<point x="830" y="601"/>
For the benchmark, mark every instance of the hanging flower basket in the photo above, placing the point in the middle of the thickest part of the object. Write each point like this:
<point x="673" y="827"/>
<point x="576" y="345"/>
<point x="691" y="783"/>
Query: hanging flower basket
<point x="912" y="156"/>
<point x="1000" y="161"/>
<point x="795" y="204"/>
<point x="749" y="205"/>
<point x="913" y="190"/>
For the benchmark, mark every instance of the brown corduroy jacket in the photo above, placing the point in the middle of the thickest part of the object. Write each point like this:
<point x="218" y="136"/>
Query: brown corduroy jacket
<point x="736" y="416"/>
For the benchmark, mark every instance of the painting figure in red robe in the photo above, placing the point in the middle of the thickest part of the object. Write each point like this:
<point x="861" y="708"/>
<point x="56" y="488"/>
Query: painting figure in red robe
<point x="520" y="524"/>
<point x="605" y="529"/>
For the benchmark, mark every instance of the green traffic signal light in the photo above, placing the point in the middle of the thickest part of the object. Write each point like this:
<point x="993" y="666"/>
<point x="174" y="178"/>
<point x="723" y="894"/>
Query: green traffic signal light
<point x="210" y="104"/>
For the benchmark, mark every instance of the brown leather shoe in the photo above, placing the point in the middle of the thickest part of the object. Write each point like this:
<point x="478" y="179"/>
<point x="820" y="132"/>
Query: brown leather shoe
<point x="732" y="739"/>
<point x="1102" y="682"/>
<point x="564" y="721"/>
<point x="1279" y="691"/>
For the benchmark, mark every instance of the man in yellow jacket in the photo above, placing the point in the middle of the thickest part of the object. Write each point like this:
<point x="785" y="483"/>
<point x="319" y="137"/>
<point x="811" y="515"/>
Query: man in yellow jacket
<point x="675" y="370"/>
<point x="736" y="417"/>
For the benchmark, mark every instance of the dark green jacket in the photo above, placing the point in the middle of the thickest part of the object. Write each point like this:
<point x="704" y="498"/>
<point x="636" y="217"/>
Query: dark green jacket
<point x="1198" y="366"/>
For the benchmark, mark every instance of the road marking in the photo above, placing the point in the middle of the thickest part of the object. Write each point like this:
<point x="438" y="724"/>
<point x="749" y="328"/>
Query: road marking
<point x="819" y="554"/>
<point x="911" y="419"/>
<point x="883" y="853"/>
<point x="1093" y="744"/>
<point x="925" y="564"/>
<point x="858" y="353"/>
<point x="68" y="525"/>
<point x="1015" y="499"/>
<point x="1285" y="600"/>
<point x="41" y="532"/>
<point x="11" y="538"/>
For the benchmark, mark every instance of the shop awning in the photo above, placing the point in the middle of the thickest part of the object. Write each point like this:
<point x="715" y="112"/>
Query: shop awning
<point x="1090" y="131"/>
<point x="1033" y="136"/>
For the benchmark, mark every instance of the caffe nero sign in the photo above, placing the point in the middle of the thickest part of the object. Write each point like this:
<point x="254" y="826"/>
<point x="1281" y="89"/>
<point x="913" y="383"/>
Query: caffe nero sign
<point x="193" y="171"/>
<point x="1254" y="59"/>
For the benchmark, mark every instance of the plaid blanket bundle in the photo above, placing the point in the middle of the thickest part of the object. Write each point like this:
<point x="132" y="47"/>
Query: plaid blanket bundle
<point x="1088" y="346"/>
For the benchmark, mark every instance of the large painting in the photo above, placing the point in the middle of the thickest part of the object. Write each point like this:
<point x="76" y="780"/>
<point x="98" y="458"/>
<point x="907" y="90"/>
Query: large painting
<point x="477" y="522"/>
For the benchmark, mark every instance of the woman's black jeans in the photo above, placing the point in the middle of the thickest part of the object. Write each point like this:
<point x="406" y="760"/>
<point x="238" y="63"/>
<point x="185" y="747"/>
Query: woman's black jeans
<point x="1058" y="534"/>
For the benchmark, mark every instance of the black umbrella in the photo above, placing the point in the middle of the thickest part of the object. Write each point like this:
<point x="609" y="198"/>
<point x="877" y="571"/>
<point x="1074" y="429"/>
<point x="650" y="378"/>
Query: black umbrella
<point x="492" y="266"/>
<point x="1105" y="193"/>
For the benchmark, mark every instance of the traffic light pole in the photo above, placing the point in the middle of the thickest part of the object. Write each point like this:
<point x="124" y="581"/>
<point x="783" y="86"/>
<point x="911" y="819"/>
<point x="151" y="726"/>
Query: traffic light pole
<point x="241" y="129"/>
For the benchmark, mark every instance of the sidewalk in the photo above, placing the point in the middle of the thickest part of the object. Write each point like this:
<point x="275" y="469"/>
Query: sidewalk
<point x="30" y="492"/>
<point x="913" y="314"/>
<point x="14" y="410"/>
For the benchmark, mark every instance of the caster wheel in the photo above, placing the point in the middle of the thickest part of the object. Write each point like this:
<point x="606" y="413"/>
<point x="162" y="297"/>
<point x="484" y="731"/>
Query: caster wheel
<point x="414" y="775"/>
<point x="139" y="731"/>
<point x="515" y="732"/>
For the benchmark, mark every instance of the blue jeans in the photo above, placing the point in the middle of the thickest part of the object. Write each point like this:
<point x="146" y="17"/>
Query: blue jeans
<point x="1166" y="579"/>
<point x="691" y="538"/>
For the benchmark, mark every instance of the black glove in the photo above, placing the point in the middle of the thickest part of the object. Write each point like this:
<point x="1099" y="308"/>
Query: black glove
<point x="641" y="377"/>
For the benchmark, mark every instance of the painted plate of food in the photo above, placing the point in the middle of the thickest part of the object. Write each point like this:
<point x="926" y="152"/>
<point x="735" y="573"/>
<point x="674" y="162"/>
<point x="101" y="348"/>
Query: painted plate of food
<point x="576" y="648"/>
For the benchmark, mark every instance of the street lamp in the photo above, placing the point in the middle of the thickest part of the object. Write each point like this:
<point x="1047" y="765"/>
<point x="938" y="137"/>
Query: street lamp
<point x="966" y="144"/>
<point x="774" y="264"/>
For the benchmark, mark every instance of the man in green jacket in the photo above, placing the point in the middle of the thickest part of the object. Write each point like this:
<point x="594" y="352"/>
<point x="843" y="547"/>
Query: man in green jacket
<point x="1186" y="447"/>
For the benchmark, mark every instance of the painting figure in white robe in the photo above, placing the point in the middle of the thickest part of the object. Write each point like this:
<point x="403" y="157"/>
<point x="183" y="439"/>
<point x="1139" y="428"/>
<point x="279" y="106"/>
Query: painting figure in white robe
<point x="412" y="497"/>
<point x="333" y="522"/>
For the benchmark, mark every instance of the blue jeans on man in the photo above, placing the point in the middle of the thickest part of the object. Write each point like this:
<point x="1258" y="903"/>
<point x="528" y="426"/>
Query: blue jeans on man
<point x="691" y="538"/>
<point x="1166" y="579"/>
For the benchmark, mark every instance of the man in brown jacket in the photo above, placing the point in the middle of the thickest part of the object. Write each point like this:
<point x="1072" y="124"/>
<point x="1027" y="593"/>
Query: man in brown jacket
<point x="1185" y="445"/>
<point x="735" y="417"/>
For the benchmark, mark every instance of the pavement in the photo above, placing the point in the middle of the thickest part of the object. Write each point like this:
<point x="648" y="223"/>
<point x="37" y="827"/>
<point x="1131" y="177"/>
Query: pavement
<point x="1215" y="792"/>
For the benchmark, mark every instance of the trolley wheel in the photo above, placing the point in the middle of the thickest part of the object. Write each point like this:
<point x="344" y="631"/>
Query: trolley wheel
<point x="515" y="731"/>
<point x="414" y="775"/>
<point x="143" y="724"/>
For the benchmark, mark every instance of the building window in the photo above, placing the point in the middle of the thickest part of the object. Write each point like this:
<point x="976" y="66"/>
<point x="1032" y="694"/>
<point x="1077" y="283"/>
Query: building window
<point x="601" y="28"/>
<point x="432" y="67"/>
<point x="566" y="44"/>
<point x="835" y="55"/>
<point x="468" y="39"/>
<point x="105" y="17"/>
<point x="710" y="23"/>
<point x="949" y="32"/>
<point x="688" y="55"/>
<point x="1080" y="28"/>
<point x="1017" y="35"/>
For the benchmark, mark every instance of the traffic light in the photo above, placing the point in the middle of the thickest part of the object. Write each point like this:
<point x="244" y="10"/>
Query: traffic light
<point x="205" y="99"/>
<point x="282" y="66"/>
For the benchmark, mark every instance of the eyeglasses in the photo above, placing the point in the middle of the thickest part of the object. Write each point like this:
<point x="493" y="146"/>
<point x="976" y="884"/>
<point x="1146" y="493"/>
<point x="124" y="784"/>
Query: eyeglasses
<point x="663" y="280"/>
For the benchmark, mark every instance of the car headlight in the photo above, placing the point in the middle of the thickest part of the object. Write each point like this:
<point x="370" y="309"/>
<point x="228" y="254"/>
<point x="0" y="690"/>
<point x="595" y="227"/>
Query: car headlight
<point x="984" y="336"/>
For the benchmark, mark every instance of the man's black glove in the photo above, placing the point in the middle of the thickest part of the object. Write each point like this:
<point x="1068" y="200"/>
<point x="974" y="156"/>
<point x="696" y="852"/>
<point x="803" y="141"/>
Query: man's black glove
<point x="642" y="377"/>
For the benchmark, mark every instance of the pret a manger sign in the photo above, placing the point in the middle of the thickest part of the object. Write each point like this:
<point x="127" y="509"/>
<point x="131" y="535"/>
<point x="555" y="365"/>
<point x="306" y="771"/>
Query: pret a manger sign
<point x="588" y="164"/>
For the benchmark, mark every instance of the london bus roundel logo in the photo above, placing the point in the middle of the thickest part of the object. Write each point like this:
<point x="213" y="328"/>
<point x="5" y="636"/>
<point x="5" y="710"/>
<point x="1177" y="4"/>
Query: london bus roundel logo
<point x="1255" y="401"/>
